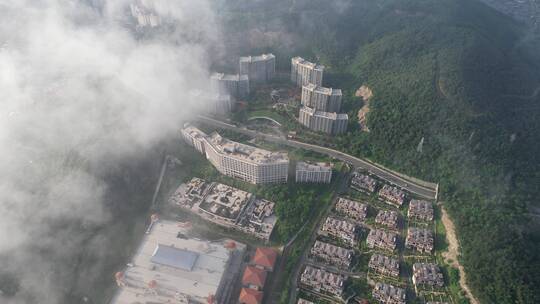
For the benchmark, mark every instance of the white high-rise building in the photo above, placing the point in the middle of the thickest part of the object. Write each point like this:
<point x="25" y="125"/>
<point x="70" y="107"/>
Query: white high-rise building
<point x="304" y="72"/>
<point x="327" y="122"/>
<point x="259" y="69"/>
<point x="251" y="164"/>
<point x="321" y="98"/>
<point x="230" y="84"/>
<point x="308" y="172"/>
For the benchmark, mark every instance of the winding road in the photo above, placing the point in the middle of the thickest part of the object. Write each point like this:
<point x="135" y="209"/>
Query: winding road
<point x="413" y="186"/>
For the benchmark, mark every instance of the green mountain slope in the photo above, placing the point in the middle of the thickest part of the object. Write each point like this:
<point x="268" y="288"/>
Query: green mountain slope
<point x="456" y="73"/>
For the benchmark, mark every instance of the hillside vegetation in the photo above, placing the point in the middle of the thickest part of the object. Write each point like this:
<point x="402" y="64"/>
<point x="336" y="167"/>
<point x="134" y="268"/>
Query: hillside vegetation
<point x="454" y="72"/>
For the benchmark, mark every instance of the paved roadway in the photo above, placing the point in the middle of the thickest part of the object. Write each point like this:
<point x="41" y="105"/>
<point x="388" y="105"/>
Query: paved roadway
<point x="411" y="186"/>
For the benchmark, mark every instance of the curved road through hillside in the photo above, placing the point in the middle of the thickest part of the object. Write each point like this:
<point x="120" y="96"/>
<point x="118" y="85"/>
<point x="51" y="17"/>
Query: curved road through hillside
<point x="409" y="185"/>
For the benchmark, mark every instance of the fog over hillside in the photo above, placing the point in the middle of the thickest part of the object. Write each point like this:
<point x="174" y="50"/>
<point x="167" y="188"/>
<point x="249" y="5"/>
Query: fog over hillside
<point x="78" y="94"/>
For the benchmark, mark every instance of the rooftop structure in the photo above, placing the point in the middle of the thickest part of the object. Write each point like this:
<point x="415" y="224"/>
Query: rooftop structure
<point x="427" y="274"/>
<point x="235" y="85"/>
<point x="248" y="163"/>
<point x="194" y="137"/>
<point x="332" y="254"/>
<point x="388" y="294"/>
<point x="352" y="209"/>
<point x="321" y="98"/>
<point x="384" y="265"/>
<point x="339" y="229"/>
<point x="322" y="280"/>
<point x="387" y="218"/>
<point x="419" y="239"/>
<point x="166" y="268"/>
<point x="363" y="182"/>
<point x="250" y="296"/>
<point x="187" y="195"/>
<point x="225" y="202"/>
<point x="259" y="219"/>
<point x="254" y="278"/>
<point x="392" y="195"/>
<point x="265" y="258"/>
<point x="420" y="210"/>
<point x="304" y="72"/>
<point x="326" y="122"/>
<point x="378" y="238"/>
<point x="303" y="301"/>
<point x="309" y="172"/>
<point x="259" y="69"/>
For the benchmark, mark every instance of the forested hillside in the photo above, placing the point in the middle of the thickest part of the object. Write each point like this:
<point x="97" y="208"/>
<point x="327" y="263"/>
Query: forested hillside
<point x="456" y="73"/>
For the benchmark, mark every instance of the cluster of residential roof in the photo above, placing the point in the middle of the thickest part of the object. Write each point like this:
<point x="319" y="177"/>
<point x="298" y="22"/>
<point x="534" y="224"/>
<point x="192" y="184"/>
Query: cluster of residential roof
<point x="384" y="265"/>
<point x="419" y="239"/>
<point x="379" y="238"/>
<point x="352" y="209"/>
<point x="392" y="195"/>
<point x="323" y="281"/>
<point x="255" y="274"/>
<point x="427" y="274"/>
<point x="332" y="254"/>
<point x="388" y="294"/>
<point x="170" y="267"/>
<point x="388" y="218"/>
<point x="227" y="206"/>
<point x="363" y="182"/>
<point x="339" y="229"/>
<point x="420" y="210"/>
<point x="320" y="105"/>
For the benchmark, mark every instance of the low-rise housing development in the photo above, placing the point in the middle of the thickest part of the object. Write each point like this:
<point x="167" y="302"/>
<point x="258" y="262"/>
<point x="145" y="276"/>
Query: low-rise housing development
<point x="166" y="268"/>
<point x="363" y="182"/>
<point x="388" y="294"/>
<point x="249" y="296"/>
<point x="387" y="218"/>
<point x="230" y="84"/>
<point x="248" y="163"/>
<point x="378" y="238"/>
<point x="311" y="172"/>
<point x="259" y="69"/>
<point x="420" y="210"/>
<point x="427" y="274"/>
<point x="326" y="122"/>
<point x="332" y="254"/>
<point x="227" y="206"/>
<point x="339" y="229"/>
<point x="304" y="72"/>
<point x="384" y="265"/>
<point x="352" y="209"/>
<point x="392" y="195"/>
<point x="419" y="239"/>
<point x="321" y="98"/>
<point x="323" y="281"/>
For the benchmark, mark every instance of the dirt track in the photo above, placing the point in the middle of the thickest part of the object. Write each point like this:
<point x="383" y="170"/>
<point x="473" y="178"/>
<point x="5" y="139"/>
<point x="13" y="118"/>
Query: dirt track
<point x="451" y="256"/>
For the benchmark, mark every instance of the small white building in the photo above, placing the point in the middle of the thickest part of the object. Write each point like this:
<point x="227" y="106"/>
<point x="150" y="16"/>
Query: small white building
<point x="309" y="172"/>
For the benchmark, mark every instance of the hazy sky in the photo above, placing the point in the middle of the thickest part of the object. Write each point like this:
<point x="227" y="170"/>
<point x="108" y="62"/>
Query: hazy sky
<point x="76" y="89"/>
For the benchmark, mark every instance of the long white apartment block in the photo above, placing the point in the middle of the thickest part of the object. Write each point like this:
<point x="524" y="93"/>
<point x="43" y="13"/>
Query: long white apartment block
<point x="326" y="122"/>
<point x="321" y="98"/>
<point x="235" y="85"/>
<point x="248" y="163"/>
<point x="309" y="172"/>
<point x="259" y="69"/>
<point x="304" y="72"/>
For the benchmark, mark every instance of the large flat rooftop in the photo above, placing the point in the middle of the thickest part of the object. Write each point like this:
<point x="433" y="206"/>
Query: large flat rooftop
<point x="167" y="268"/>
<point x="329" y="115"/>
<point x="323" y="90"/>
<point x="311" y="65"/>
<point x="245" y="152"/>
